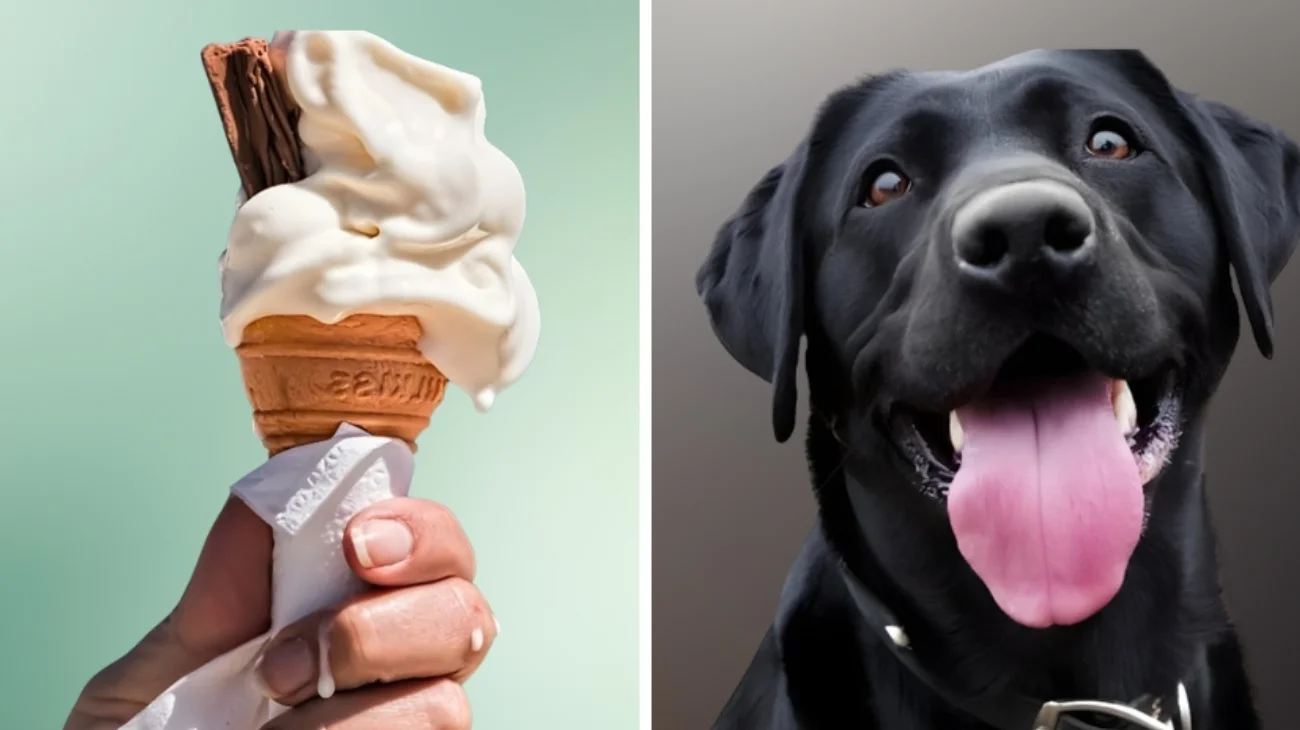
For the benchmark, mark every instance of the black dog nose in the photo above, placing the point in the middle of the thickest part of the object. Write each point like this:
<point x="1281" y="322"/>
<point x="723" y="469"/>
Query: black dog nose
<point x="1021" y="228"/>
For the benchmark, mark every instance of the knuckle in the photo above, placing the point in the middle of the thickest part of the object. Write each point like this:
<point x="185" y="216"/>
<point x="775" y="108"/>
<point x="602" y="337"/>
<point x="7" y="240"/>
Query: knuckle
<point x="446" y="706"/>
<point x="468" y="563"/>
<point x="352" y="644"/>
<point x="441" y="534"/>
<point x="440" y="519"/>
<point x="472" y="606"/>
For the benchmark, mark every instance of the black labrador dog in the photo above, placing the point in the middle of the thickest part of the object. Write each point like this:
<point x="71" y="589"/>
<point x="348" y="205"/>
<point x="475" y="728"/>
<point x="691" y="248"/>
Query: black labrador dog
<point x="1015" y="288"/>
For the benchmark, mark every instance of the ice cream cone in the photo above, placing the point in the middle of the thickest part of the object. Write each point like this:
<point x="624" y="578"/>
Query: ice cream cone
<point x="304" y="378"/>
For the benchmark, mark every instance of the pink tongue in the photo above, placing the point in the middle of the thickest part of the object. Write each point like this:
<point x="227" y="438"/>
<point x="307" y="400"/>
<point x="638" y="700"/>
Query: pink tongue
<point x="1047" y="506"/>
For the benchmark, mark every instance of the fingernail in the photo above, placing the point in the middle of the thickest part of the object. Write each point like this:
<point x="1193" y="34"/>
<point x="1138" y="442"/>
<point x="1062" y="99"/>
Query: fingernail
<point x="497" y="624"/>
<point x="382" y="542"/>
<point x="476" y="640"/>
<point x="287" y="668"/>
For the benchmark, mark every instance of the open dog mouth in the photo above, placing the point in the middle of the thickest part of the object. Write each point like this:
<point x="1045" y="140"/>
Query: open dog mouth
<point x="1044" y="477"/>
<point x="1147" y="412"/>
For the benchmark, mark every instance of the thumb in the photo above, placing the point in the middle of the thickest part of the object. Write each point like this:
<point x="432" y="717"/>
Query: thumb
<point x="228" y="599"/>
<point x="227" y="603"/>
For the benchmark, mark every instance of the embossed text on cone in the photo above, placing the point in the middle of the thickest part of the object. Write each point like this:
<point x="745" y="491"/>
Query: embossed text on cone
<point x="304" y="378"/>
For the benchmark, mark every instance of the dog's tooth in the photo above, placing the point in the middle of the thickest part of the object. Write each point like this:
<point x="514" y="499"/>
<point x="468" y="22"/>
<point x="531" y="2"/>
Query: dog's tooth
<point x="955" y="433"/>
<point x="1125" y="409"/>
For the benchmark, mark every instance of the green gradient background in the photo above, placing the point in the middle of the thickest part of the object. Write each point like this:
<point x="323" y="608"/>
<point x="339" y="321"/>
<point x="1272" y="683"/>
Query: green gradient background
<point x="125" y="421"/>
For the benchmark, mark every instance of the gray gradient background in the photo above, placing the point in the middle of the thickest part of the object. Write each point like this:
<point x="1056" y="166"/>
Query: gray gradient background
<point x="735" y="85"/>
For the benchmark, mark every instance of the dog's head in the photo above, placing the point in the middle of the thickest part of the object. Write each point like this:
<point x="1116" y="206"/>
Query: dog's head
<point x="1018" y="277"/>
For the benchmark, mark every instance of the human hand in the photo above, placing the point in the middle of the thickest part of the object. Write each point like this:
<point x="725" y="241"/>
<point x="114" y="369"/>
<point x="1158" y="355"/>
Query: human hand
<point x="398" y="652"/>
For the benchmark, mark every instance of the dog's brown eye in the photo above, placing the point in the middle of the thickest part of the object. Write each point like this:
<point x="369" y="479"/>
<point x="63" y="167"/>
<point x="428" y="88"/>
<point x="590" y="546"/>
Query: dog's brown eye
<point x="886" y="186"/>
<point x="1109" y="144"/>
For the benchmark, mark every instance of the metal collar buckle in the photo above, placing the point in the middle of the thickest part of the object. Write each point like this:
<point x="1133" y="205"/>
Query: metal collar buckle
<point x="1054" y="713"/>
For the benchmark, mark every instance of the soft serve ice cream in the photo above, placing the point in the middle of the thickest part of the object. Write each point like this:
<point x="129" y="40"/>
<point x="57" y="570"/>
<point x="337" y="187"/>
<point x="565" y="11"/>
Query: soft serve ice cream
<point x="406" y="215"/>
<point x="407" y="210"/>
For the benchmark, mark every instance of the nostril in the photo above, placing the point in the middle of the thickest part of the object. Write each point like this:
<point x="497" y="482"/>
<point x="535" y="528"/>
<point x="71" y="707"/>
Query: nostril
<point x="984" y="247"/>
<point x="1014" y="232"/>
<point x="1066" y="232"/>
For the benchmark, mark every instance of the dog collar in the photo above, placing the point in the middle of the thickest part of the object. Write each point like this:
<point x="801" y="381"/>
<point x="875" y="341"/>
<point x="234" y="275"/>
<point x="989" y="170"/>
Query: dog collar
<point x="1018" y="712"/>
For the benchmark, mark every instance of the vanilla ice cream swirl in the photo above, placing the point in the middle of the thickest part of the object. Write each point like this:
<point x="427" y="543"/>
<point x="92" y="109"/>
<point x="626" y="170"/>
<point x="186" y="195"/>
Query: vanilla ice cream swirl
<point x="407" y="210"/>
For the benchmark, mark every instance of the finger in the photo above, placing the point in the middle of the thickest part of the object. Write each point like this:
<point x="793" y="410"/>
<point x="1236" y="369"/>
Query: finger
<point x="406" y="541"/>
<point x="228" y="599"/>
<point x="439" y="629"/>
<point x="438" y="704"/>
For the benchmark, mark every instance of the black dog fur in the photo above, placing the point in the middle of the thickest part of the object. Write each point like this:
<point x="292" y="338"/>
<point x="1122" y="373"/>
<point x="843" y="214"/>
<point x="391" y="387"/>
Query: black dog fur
<point x="1208" y="192"/>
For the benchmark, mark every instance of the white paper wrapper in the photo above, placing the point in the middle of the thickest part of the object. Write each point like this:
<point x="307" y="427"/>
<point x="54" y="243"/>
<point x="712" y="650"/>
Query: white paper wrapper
<point x="307" y="495"/>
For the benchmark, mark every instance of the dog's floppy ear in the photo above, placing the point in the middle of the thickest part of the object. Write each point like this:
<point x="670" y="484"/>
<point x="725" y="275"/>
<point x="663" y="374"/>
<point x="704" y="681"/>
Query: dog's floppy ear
<point x="1253" y="174"/>
<point x="1253" y="171"/>
<point x="752" y="285"/>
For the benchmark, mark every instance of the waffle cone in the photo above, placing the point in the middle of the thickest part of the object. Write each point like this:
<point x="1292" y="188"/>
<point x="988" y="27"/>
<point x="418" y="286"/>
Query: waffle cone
<point x="304" y="378"/>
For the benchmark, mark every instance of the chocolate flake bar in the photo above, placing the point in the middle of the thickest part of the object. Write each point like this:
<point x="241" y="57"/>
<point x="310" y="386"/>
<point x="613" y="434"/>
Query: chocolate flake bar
<point x="259" y="115"/>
